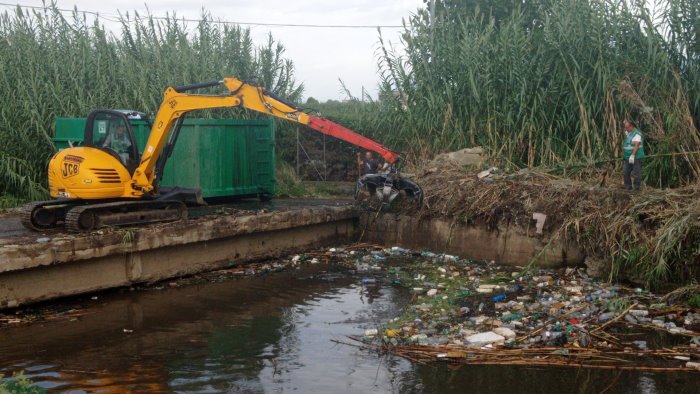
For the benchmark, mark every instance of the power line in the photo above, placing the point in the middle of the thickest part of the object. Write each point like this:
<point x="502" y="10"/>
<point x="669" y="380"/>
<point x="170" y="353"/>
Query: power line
<point x="115" y="18"/>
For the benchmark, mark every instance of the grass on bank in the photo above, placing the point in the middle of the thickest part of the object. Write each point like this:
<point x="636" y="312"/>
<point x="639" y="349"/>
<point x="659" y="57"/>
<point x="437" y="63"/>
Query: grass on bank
<point x="19" y="384"/>
<point x="288" y="184"/>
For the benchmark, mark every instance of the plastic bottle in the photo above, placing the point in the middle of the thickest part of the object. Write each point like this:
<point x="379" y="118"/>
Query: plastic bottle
<point x="606" y="316"/>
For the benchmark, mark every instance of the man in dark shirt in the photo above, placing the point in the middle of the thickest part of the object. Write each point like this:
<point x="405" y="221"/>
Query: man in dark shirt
<point x="368" y="164"/>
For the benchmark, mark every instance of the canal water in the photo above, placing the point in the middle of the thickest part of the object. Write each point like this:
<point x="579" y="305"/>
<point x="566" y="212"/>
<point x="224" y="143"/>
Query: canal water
<point x="267" y="334"/>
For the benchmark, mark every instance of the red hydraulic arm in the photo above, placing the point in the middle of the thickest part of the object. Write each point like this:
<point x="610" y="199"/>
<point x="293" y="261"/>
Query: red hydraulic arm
<point x="333" y="129"/>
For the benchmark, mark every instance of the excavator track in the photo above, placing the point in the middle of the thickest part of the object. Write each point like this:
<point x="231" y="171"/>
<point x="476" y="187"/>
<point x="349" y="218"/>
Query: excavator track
<point x="124" y="213"/>
<point x="44" y="215"/>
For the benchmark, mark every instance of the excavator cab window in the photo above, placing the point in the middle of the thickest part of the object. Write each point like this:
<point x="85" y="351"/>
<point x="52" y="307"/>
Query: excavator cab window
<point x="111" y="132"/>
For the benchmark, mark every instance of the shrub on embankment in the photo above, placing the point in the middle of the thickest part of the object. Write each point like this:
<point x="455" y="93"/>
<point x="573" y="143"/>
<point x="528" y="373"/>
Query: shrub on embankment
<point x="545" y="83"/>
<point x="651" y="237"/>
<point x="56" y="65"/>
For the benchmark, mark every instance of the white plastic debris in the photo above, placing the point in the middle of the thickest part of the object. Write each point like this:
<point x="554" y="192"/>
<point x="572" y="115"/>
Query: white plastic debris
<point x="638" y="312"/>
<point x="397" y="250"/>
<point x="540" y="218"/>
<point x="574" y="289"/>
<point x="484" y="174"/>
<point x="485" y="289"/>
<point x="417" y="337"/>
<point x="504" y="332"/>
<point x="370" y="332"/>
<point x="485" y="338"/>
<point x="431" y="292"/>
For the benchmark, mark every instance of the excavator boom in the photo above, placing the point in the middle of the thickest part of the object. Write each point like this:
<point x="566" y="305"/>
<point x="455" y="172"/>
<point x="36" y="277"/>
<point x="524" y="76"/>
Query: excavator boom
<point x="177" y="102"/>
<point x="333" y="129"/>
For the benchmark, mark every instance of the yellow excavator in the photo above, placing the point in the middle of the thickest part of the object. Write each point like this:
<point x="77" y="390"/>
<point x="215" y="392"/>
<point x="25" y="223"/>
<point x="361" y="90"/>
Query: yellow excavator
<point x="107" y="182"/>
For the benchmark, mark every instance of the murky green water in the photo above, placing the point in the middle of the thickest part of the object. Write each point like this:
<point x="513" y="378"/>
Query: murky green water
<point x="265" y="334"/>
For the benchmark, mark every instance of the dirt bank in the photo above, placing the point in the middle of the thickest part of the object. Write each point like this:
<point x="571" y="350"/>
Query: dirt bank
<point x="649" y="236"/>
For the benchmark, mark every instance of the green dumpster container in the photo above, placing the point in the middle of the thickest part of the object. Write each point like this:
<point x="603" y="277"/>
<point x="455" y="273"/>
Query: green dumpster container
<point x="224" y="158"/>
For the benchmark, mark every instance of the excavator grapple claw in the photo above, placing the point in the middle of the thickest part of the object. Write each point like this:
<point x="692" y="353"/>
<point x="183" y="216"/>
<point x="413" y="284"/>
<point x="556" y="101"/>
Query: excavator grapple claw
<point x="389" y="190"/>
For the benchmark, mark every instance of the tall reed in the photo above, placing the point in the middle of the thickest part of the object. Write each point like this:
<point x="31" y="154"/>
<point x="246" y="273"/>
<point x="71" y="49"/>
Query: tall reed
<point x="546" y="83"/>
<point x="53" y="65"/>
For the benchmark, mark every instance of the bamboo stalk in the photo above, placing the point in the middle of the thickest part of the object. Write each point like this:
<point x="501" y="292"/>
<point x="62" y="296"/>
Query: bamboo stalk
<point x="618" y="317"/>
<point x="546" y="356"/>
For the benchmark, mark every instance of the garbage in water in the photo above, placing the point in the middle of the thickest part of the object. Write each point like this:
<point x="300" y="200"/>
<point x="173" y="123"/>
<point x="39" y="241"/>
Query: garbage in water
<point x="368" y="305"/>
<point x="476" y="312"/>
<point x="467" y="311"/>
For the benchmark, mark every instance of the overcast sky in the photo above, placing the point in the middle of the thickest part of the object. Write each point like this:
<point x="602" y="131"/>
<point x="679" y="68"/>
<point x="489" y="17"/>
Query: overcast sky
<point x="321" y="55"/>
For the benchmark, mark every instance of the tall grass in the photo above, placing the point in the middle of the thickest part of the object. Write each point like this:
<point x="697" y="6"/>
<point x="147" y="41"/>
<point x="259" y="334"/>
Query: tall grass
<point x="546" y="83"/>
<point x="53" y="65"/>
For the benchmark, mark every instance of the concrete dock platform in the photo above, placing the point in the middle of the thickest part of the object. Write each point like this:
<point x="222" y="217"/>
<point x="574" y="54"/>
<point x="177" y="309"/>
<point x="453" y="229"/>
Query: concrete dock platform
<point x="42" y="266"/>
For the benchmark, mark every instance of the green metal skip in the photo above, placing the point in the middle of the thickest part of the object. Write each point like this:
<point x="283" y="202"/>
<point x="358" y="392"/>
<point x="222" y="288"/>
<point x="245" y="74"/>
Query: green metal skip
<point x="224" y="158"/>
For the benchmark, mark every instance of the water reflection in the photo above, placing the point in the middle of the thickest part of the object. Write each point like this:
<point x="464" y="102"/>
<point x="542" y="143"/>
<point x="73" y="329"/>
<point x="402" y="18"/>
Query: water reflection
<point x="266" y="334"/>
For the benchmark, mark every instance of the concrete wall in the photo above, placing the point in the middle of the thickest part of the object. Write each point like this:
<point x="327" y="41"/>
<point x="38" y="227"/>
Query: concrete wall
<point x="507" y="244"/>
<point x="32" y="271"/>
<point x="71" y="265"/>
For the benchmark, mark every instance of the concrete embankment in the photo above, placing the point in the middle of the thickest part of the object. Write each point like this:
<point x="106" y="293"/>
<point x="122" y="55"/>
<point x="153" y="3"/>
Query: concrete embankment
<point x="36" y="267"/>
<point x="510" y="244"/>
<point x="43" y="268"/>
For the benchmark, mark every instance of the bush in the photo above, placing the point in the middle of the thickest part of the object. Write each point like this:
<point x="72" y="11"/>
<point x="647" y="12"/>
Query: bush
<point x="694" y="300"/>
<point x="18" y="384"/>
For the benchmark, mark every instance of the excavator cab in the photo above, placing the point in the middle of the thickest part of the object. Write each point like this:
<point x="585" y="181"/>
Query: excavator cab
<point x="110" y="131"/>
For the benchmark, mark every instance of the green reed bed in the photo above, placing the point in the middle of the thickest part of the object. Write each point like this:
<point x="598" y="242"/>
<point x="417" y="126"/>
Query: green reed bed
<point x="54" y="64"/>
<point x="545" y="83"/>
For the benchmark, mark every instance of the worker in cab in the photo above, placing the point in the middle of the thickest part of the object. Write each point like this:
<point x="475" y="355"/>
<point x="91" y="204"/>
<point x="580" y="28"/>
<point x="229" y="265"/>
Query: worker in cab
<point x="118" y="141"/>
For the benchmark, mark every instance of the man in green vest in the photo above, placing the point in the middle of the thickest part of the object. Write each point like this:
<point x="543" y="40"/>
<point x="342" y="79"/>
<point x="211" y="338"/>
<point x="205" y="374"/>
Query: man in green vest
<point x="633" y="149"/>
